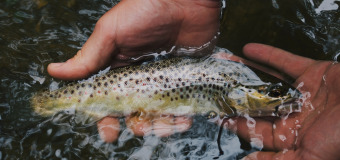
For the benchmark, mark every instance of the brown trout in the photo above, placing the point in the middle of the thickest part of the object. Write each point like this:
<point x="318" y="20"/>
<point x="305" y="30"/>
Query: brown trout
<point x="177" y="86"/>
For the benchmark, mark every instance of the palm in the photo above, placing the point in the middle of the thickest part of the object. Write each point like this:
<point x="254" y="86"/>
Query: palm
<point x="313" y="133"/>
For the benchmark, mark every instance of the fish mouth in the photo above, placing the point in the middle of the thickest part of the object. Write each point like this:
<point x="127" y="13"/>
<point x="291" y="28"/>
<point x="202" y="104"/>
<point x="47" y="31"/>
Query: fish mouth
<point x="288" y="107"/>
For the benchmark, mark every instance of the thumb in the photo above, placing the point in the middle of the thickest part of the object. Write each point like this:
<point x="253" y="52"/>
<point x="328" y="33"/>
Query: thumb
<point x="286" y="154"/>
<point x="96" y="53"/>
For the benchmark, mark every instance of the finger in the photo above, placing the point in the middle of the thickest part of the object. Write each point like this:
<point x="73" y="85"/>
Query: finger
<point x="182" y="123"/>
<point x="108" y="129"/>
<point x="94" y="55"/>
<point x="277" y="135"/>
<point x="139" y="125"/>
<point x="163" y="126"/>
<point x="232" y="57"/>
<point x="284" y="61"/>
<point x="288" y="154"/>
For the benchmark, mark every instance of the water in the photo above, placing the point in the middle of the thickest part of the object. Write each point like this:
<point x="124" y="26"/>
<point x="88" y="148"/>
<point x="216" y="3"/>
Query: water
<point x="34" y="33"/>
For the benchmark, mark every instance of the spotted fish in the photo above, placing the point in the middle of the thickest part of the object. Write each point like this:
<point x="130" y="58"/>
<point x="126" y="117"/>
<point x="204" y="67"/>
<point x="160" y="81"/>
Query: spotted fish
<point x="173" y="86"/>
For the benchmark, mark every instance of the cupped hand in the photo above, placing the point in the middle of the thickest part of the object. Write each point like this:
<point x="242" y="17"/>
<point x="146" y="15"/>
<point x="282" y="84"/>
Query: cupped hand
<point x="311" y="134"/>
<point x="135" y="27"/>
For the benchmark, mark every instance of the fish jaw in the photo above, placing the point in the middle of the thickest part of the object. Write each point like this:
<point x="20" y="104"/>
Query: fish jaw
<point x="250" y="101"/>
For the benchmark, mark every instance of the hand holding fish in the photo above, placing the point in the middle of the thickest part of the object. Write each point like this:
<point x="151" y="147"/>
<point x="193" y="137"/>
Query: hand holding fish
<point x="133" y="28"/>
<point x="311" y="134"/>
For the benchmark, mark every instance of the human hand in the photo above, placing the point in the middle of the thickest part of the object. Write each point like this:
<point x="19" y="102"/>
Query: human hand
<point x="311" y="134"/>
<point x="134" y="27"/>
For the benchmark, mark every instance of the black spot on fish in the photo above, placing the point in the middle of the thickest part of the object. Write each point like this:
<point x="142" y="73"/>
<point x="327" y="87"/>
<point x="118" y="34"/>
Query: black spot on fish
<point x="155" y="79"/>
<point x="77" y="87"/>
<point x="106" y="84"/>
<point x="167" y="79"/>
<point x="177" y="85"/>
<point x="120" y="78"/>
<point x="163" y="95"/>
<point x="65" y="91"/>
<point x="183" y="83"/>
<point x="203" y="96"/>
<point x="210" y="85"/>
<point x="161" y="77"/>
<point x="148" y="78"/>
<point x="106" y="93"/>
<point x="187" y="87"/>
<point x="201" y="88"/>
<point x="103" y="78"/>
<point x="176" y="98"/>
<point x="99" y="84"/>
<point x="125" y="82"/>
<point x="173" y="90"/>
<point x="204" y="75"/>
<point x="156" y="92"/>
<point x="137" y="81"/>
<point x="51" y="95"/>
<point x="171" y="99"/>
<point x="130" y="72"/>
<point x="118" y="85"/>
<point x="165" y="86"/>
<point x="168" y="94"/>
<point x="179" y="79"/>
<point x="188" y="96"/>
<point x="125" y="75"/>
<point x="146" y="70"/>
<point x="111" y="81"/>
<point x="117" y="98"/>
<point x="83" y="85"/>
<point x="153" y="71"/>
<point x="94" y="87"/>
<point x="190" y="90"/>
<point x="114" y="76"/>
<point x="181" y="89"/>
<point x="205" y="85"/>
<point x="96" y="79"/>
<point x="235" y="82"/>
<point x="181" y="96"/>
<point x="72" y="91"/>
<point x="91" y="95"/>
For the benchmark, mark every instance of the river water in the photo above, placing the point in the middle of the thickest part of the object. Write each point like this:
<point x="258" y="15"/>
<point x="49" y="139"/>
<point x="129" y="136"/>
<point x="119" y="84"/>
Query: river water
<point x="34" y="33"/>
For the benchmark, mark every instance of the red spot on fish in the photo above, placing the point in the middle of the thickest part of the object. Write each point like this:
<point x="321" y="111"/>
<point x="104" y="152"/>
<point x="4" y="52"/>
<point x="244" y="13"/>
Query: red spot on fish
<point x="144" y="84"/>
<point x="114" y="88"/>
<point x="127" y="95"/>
<point x="98" y="91"/>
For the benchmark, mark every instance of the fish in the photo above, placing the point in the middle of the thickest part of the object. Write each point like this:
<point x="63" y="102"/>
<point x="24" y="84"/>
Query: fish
<point x="176" y="86"/>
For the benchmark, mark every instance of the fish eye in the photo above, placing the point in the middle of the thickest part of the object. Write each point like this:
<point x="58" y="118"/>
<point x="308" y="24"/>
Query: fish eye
<point x="275" y="91"/>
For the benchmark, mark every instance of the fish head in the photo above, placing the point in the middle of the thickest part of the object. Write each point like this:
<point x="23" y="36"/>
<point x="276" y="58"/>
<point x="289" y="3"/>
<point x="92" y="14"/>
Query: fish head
<point x="264" y="100"/>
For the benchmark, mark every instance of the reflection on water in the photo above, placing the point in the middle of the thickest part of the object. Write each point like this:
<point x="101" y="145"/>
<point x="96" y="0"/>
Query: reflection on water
<point x="305" y="27"/>
<point x="34" y="33"/>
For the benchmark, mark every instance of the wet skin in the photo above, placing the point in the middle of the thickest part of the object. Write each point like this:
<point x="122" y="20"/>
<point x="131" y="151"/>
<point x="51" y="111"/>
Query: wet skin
<point x="317" y="126"/>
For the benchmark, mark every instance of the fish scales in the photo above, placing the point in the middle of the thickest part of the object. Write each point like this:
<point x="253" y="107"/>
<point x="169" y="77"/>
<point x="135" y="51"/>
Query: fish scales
<point x="174" y="86"/>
